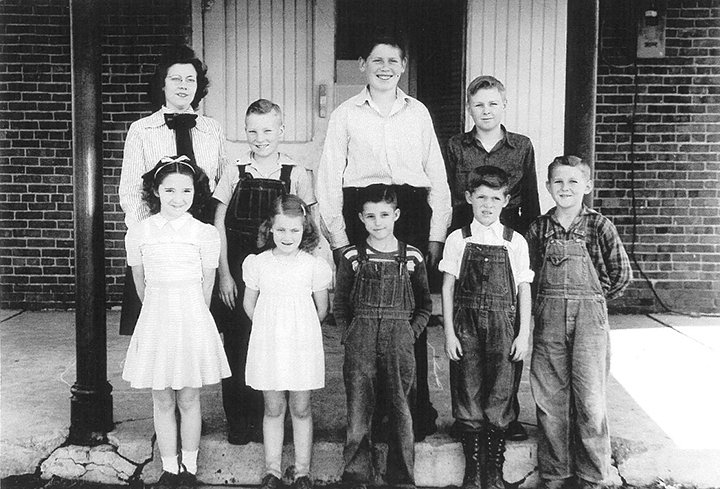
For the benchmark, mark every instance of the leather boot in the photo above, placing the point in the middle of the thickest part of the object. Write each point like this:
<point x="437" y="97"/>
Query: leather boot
<point x="495" y="443"/>
<point x="471" y="443"/>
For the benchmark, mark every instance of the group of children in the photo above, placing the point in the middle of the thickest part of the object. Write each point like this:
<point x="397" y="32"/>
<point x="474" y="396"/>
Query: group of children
<point x="570" y="260"/>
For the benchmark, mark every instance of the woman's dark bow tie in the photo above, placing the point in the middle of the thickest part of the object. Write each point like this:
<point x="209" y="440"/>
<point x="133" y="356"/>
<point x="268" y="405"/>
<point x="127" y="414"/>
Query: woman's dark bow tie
<point x="180" y="121"/>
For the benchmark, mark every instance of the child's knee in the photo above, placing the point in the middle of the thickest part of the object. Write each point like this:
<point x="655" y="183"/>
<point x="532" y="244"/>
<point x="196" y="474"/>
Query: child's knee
<point x="300" y="407"/>
<point x="275" y="406"/>
<point x="164" y="400"/>
<point x="188" y="399"/>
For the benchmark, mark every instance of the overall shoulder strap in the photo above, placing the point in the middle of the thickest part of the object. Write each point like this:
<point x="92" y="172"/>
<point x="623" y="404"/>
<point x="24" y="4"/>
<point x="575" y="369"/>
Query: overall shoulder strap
<point x="285" y="172"/>
<point x="362" y="253"/>
<point x="402" y="252"/>
<point x="242" y="172"/>
<point x="508" y="233"/>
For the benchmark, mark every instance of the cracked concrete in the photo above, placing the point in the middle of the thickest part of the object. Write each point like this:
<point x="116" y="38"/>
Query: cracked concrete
<point x="38" y="369"/>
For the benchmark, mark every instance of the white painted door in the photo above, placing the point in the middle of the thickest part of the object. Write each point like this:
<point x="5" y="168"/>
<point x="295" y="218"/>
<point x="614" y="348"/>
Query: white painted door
<point x="281" y="50"/>
<point x="523" y="44"/>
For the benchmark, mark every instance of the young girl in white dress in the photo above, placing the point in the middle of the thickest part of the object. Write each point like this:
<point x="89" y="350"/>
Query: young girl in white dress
<point x="287" y="299"/>
<point x="175" y="348"/>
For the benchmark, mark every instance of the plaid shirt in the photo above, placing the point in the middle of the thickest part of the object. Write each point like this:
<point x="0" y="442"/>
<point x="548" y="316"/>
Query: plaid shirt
<point x="603" y="244"/>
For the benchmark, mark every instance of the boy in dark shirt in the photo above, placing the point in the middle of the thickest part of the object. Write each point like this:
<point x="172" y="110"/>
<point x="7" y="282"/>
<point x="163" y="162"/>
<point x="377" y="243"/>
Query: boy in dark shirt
<point x="489" y="143"/>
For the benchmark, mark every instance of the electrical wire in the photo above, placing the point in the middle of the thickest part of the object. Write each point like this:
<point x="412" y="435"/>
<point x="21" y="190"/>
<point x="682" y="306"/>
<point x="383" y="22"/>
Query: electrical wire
<point x="603" y="60"/>
<point x="633" y="197"/>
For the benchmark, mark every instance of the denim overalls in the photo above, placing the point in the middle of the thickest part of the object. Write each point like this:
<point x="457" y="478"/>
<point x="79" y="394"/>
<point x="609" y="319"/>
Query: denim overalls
<point x="248" y="208"/>
<point x="570" y="362"/>
<point x="484" y="312"/>
<point x="379" y="356"/>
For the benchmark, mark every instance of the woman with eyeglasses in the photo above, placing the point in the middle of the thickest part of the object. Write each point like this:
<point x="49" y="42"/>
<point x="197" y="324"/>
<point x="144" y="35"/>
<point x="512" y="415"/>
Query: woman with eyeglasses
<point x="178" y="85"/>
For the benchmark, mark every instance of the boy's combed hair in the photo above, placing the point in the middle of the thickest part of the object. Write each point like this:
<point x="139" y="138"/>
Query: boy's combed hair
<point x="569" y="160"/>
<point x="489" y="176"/>
<point x="378" y="192"/>
<point x="177" y="55"/>
<point x="485" y="82"/>
<point x="384" y="36"/>
<point x="292" y="206"/>
<point x="184" y="166"/>
<point x="263" y="106"/>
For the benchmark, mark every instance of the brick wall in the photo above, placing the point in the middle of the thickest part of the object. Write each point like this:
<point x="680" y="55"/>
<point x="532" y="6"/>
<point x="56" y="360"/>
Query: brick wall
<point x="673" y="162"/>
<point x="36" y="200"/>
<point x="675" y="166"/>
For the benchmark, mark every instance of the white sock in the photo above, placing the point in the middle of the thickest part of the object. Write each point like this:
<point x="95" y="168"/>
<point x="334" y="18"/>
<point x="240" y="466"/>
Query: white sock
<point x="189" y="461"/>
<point x="170" y="464"/>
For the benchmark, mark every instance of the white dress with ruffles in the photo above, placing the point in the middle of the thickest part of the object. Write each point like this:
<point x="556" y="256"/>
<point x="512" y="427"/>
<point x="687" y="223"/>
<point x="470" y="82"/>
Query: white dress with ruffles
<point x="286" y="345"/>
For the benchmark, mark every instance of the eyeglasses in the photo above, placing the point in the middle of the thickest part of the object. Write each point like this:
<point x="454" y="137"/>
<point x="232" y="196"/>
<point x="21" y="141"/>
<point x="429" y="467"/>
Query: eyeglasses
<point x="178" y="80"/>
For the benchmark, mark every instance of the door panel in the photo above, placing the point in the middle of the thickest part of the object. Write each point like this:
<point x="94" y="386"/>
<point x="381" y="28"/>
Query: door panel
<point x="523" y="44"/>
<point x="281" y="50"/>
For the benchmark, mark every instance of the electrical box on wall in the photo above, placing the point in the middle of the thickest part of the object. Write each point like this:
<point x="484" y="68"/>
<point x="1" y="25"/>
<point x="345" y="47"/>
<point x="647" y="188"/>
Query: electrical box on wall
<point x="651" y="30"/>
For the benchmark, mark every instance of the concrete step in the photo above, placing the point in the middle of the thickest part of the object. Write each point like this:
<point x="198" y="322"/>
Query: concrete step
<point x="439" y="461"/>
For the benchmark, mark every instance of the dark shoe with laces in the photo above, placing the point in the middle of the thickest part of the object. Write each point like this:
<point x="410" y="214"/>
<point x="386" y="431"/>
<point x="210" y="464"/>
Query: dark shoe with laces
<point x="271" y="482"/>
<point x="167" y="480"/>
<point x="186" y="479"/>
<point x="516" y="431"/>
<point x="302" y="482"/>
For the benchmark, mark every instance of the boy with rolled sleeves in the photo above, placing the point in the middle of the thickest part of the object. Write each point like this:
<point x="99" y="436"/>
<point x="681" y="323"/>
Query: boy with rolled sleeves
<point x="580" y="263"/>
<point x="245" y="195"/>
<point x="490" y="143"/>
<point x="382" y="303"/>
<point x="486" y="284"/>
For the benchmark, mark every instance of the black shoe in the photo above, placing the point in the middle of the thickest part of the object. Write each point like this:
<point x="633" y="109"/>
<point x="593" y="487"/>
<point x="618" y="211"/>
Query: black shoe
<point x="270" y="482"/>
<point x="186" y="479"/>
<point x="516" y="431"/>
<point x="302" y="482"/>
<point x="168" y="480"/>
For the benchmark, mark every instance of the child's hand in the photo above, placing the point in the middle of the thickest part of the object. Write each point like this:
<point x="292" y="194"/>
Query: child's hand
<point x="453" y="349"/>
<point x="519" y="348"/>
<point x="228" y="290"/>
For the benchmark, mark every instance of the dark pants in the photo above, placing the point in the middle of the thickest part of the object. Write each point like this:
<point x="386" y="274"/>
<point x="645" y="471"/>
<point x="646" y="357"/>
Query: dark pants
<point x="412" y="228"/>
<point x="482" y="380"/>
<point x="379" y="358"/>
<point x="243" y="405"/>
<point x="131" y="305"/>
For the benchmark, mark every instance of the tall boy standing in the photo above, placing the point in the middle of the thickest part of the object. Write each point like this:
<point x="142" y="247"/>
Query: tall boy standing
<point x="384" y="136"/>
<point x="246" y="194"/>
<point x="489" y="143"/>
<point x="382" y="302"/>
<point x="580" y="262"/>
<point x="486" y="284"/>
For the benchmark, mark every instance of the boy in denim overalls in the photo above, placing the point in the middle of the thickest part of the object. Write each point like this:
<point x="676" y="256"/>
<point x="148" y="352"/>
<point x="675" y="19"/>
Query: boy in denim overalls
<point x="245" y="195"/>
<point x="580" y="263"/>
<point x="382" y="303"/>
<point x="486" y="283"/>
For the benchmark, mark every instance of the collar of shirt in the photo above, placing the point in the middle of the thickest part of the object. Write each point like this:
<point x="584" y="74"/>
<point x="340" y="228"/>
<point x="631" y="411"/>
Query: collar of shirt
<point x="487" y="234"/>
<point x="364" y="97"/>
<point x="584" y="211"/>
<point x="157" y="119"/>
<point x="509" y="138"/>
<point x="247" y="159"/>
<point x="160" y="221"/>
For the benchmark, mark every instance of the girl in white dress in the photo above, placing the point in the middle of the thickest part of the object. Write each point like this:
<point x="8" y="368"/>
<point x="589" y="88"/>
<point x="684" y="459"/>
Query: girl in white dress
<point x="286" y="298"/>
<point x="175" y="348"/>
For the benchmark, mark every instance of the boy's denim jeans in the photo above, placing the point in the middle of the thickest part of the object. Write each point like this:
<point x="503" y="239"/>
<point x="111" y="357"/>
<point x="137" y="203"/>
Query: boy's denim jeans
<point x="379" y="356"/>
<point x="380" y="363"/>
<point x="482" y="381"/>
<point x="570" y="365"/>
